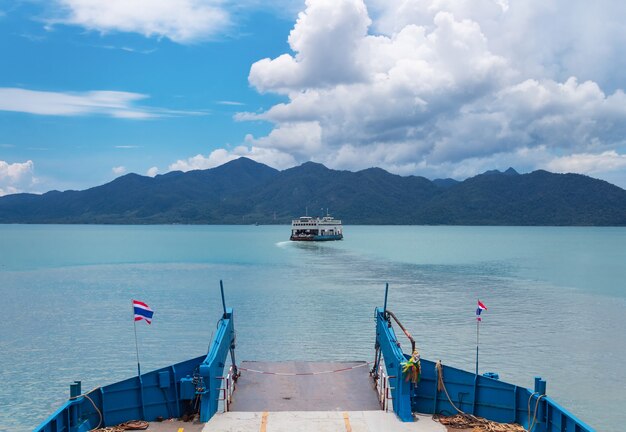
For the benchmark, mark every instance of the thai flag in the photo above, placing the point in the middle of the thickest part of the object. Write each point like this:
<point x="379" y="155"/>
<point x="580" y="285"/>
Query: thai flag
<point x="481" y="307"/>
<point x="142" y="311"/>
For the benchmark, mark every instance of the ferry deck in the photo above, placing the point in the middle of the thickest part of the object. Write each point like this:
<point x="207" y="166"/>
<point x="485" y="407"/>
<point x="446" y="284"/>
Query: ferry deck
<point x="304" y="396"/>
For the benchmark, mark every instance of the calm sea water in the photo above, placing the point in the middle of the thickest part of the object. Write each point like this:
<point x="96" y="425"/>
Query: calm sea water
<point x="556" y="299"/>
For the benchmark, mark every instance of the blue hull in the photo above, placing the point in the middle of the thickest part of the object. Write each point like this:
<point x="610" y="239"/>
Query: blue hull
<point x="168" y="392"/>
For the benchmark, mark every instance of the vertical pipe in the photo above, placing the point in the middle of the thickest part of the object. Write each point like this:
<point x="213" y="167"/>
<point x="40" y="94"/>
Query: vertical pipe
<point x="74" y="389"/>
<point x="475" y="402"/>
<point x="540" y="389"/>
<point x="540" y="386"/>
<point x="514" y="420"/>
<point x="223" y="301"/>
<point x="104" y="407"/>
<point x="73" y="409"/>
<point x="143" y="407"/>
<point x="132" y="307"/>
<point x="176" y="391"/>
<point x="386" y="292"/>
<point x="477" y="339"/>
<point x="379" y="352"/>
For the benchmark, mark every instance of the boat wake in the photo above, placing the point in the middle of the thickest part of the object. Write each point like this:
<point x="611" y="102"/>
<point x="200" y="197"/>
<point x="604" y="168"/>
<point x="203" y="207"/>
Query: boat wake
<point x="283" y="244"/>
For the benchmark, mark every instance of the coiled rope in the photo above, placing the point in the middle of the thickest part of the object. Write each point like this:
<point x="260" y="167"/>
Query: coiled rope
<point x="129" y="425"/>
<point x="463" y="420"/>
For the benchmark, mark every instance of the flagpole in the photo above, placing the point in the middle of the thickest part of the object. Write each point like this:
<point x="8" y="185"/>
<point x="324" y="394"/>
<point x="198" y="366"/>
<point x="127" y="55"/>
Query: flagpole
<point x="136" y="344"/>
<point x="477" y="339"/>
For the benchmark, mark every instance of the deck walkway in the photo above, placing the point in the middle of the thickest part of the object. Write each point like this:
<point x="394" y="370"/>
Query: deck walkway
<point x="349" y="389"/>
<point x="318" y="421"/>
<point x="304" y="396"/>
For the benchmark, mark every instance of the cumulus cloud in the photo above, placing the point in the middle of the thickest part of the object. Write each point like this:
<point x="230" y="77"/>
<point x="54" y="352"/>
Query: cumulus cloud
<point x="183" y="21"/>
<point x="432" y="86"/>
<point x="118" y="170"/>
<point x="271" y="157"/>
<point x="327" y="38"/>
<point x="16" y="177"/>
<point x="550" y="38"/>
<point x="116" y="104"/>
<point x="589" y="163"/>
<point x="153" y="171"/>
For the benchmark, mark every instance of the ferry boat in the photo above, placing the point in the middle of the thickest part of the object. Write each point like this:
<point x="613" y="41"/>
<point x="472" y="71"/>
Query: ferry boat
<point x="307" y="228"/>
<point x="397" y="391"/>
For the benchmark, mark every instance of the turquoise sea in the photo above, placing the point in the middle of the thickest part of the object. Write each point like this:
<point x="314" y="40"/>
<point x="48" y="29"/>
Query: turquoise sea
<point x="556" y="299"/>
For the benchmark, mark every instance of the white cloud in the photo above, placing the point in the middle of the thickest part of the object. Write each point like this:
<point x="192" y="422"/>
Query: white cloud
<point x="116" y="104"/>
<point x="299" y="138"/>
<point x="327" y="39"/>
<point x="271" y="157"/>
<point x="16" y="177"/>
<point x="118" y="170"/>
<point x="443" y="87"/>
<point x="550" y="38"/>
<point x="153" y="171"/>
<point x="589" y="163"/>
<point x="183" y="21"/>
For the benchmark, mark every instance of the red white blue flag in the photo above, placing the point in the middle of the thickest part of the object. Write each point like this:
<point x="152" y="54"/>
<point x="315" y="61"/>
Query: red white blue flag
<point x="142" y="311"/>
<point x="481" y="307"/>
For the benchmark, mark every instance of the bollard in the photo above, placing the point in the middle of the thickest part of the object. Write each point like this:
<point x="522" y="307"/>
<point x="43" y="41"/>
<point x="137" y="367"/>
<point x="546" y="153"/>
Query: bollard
<point x="75" y="389"/>
<point x="75" y="392"/>
<point x="540" y="389"/>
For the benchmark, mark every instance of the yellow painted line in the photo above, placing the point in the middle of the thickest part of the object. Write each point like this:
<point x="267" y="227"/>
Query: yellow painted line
<point x="264" y="421"/>
<point x="346" y="420"/>
<point x="181" y="429"/>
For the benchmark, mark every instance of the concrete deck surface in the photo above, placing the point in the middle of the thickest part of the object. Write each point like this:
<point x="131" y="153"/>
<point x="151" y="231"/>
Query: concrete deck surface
<point x="171" y="425"/>
<point x="318" y="421"/>
<point x="287" y="397"/>
<point x="346" y="390"/>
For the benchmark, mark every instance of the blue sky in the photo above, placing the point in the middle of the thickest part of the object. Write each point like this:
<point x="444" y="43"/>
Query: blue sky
<point x="90" y="90"/>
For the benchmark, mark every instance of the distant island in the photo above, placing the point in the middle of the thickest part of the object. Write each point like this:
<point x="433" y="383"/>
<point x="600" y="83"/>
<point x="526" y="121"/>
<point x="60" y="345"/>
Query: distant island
<point x="246" y="192"/>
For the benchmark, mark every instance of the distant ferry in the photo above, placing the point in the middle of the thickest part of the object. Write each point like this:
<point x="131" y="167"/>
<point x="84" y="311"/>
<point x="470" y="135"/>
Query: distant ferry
<point x="307" y="228"/>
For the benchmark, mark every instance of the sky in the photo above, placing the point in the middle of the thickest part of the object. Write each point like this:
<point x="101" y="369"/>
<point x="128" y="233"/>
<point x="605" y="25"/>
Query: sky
<point x="91" y="90"/>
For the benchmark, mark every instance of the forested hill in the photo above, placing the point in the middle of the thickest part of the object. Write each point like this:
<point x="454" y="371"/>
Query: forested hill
<point x="244" y="191"/>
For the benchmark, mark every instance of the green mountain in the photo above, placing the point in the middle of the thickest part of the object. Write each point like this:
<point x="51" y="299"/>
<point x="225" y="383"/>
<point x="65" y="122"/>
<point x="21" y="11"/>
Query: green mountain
<point x="244" y="191"/>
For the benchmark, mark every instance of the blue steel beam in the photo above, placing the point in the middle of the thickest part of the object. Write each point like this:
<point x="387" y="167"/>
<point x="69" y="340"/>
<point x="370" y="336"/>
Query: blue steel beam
<point x="483" y="396"/>
<point x="394" y="357"/>
<point x="212" y="368"/>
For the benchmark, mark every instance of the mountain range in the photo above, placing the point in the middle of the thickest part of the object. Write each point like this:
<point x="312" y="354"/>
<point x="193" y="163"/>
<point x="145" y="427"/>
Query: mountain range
<point x="243" y="191"/>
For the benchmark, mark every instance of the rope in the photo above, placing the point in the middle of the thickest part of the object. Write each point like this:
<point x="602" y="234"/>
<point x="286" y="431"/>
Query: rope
<point x="534" y="421"/>
<point x="122" y="427"/>
<point x="92" y="402"/>
<point x="442" y="386"/>
<point x="463" y="420"/>
<point x="129" y="425"/>
<point x="304" y="373"/>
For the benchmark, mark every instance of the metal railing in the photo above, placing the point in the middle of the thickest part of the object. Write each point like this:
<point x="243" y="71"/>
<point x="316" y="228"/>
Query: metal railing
<point x="226" y="391"/>
<point x="383" y="388"/>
